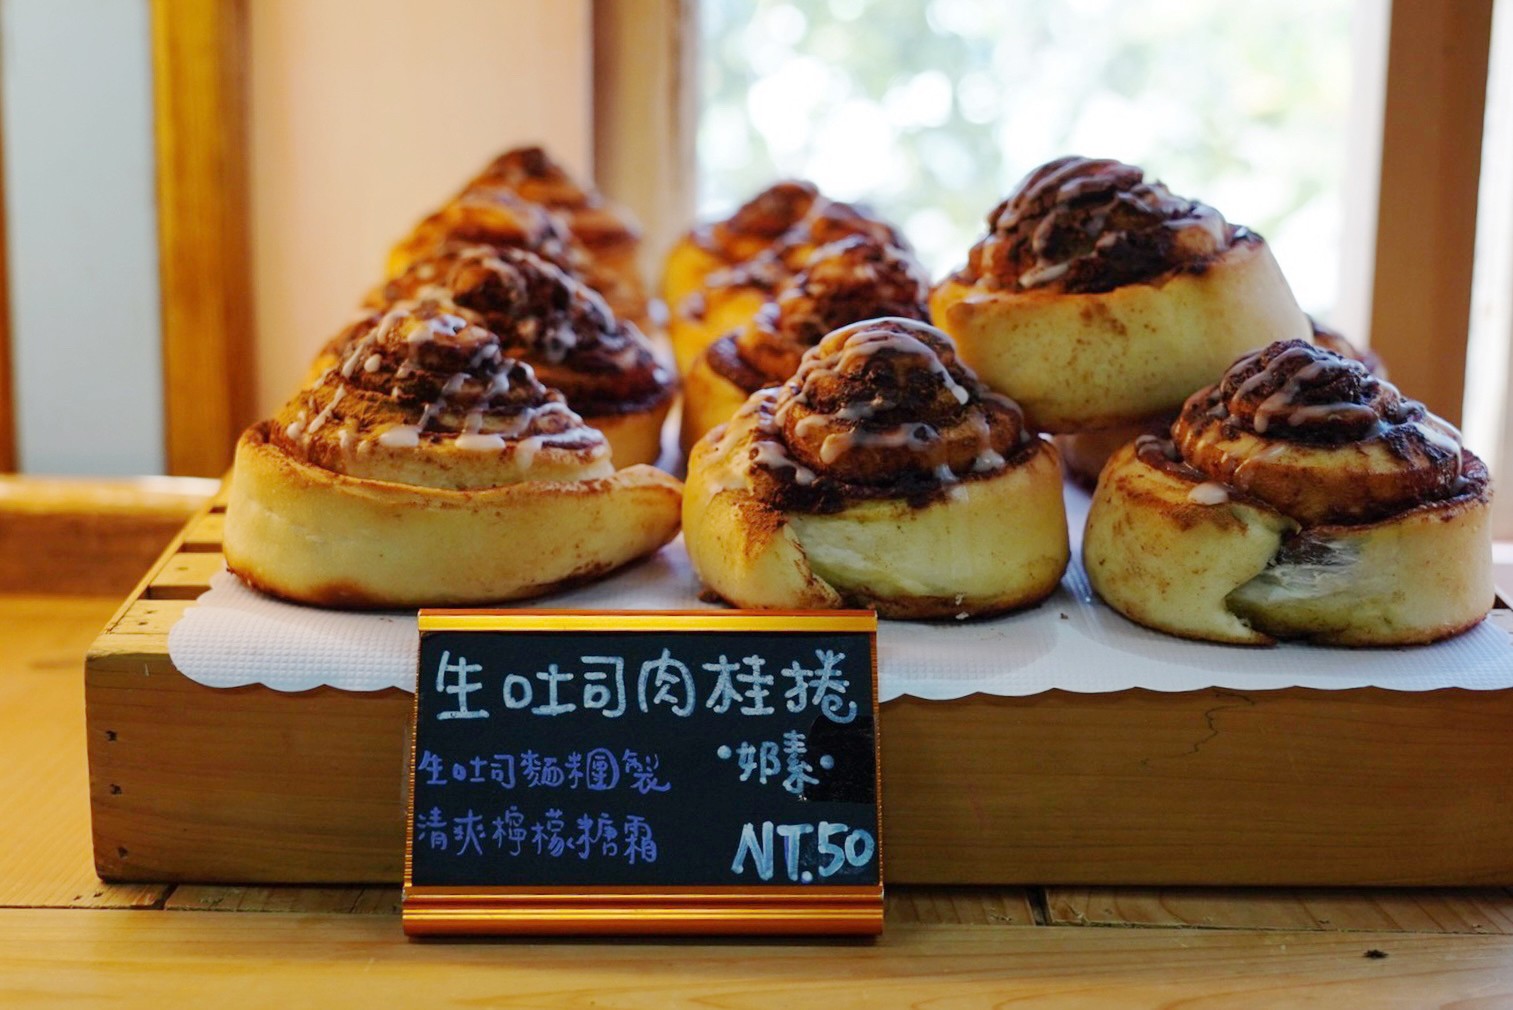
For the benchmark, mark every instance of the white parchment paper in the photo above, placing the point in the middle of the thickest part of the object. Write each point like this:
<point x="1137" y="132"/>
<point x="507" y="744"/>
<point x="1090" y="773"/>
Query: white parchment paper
<point x="234" y="636"/>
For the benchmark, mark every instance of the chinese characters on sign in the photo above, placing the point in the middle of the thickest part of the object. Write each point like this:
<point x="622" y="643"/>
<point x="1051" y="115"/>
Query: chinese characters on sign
<point x="631" y="758"/>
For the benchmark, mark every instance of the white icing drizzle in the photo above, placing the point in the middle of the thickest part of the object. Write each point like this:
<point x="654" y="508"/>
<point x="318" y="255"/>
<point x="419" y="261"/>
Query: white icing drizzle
<point x="1209" y="493"/>
<point x="474" y="442"/>
<point x="913" y="435"/>
<point x="1075" y="177"/>
<point x="321" y="418"/>
<point x="772" y="455"/>
<point x="987" y="461"/>
<point x="371" y="365"/>
<point x="1283" y="403"/>
<point x="400" y="436"/>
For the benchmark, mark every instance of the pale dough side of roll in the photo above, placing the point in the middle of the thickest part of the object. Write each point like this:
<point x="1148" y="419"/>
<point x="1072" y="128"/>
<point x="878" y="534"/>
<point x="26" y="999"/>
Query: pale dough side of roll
<point x="319" y="537"/>
<point x="1077" y="362"/>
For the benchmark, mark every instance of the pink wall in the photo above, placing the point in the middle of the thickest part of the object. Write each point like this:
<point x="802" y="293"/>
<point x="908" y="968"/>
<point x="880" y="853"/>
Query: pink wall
<point x="365" y="115"/>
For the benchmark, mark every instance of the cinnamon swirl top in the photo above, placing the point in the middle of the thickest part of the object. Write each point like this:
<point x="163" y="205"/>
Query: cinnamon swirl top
<point x="418" y="394"/>
<point x="770" y="237"/>
<point x="543" y="316"/>
<point x="1082" y="225"/>
<point x="844" y="282"/>
<point x="878" y="409"/>
<point x="535" y="176"/>
<point x="1318" y="437"/>
<point x="493" y="217"/>
<point x="760" y="221"/>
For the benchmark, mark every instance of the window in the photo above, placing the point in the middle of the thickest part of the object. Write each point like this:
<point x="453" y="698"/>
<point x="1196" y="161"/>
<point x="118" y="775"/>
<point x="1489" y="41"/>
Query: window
<point x="932" y="109"/>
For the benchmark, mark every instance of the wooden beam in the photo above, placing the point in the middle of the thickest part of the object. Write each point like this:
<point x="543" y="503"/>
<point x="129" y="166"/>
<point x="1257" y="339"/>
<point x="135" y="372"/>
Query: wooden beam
<point x="1426" y="222"/>
<point x="646" y="113"/>
<point x="200" y="76"/>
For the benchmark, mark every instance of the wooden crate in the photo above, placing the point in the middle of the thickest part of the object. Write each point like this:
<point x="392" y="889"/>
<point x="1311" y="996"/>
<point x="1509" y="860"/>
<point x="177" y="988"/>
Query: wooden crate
<point x="1353" y="787"/>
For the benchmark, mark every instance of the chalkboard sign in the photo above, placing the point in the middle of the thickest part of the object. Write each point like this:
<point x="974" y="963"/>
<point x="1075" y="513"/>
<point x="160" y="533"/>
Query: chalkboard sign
<point x="644" y="772"/>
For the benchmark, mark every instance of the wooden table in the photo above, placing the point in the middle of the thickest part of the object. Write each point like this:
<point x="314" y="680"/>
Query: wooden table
<point x="66" y="938"/>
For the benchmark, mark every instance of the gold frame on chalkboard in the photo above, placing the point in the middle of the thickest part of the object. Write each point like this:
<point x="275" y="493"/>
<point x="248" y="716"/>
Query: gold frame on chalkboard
<point x="646" y="910"/>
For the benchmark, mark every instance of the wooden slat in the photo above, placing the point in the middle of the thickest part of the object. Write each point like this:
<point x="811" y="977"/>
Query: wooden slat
<point x="352" y="900"/>
<point x="646" y="113"/>
<point x="1417" y="911"/>
<point x="1426" y="220"/>
<point x="157" y="959"/>
<point x="205" y="533"/>
<point x="959" y="906"/>
<point x="199" y="73"/>
<point x="44" y="836"/>
<point x="88" y="536"/>
<point x="185" y="576"/>
<point x="1288" y="787"/>
<point x="303" y="787"/>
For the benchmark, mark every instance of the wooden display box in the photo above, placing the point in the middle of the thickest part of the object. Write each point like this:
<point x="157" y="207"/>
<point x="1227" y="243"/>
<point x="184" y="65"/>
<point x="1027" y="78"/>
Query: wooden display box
<point x="1296" y="787"/>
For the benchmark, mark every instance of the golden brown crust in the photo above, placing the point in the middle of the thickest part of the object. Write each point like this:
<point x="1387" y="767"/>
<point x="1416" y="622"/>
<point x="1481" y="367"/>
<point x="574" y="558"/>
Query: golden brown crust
<point x="882" y="474"/>
<point x="1099" y="300"/>
<point x="1299" y="497"/>
<point x="417" y="393"/>
<point x="1082" y="225"/>
<point x="1317" y="436"/>
<point x="843" y="282"/>
<point x="603" y="366"/>
<point x="315" y="536"/>
<point x="721" y="273"/>
<point x="525" y="200"/>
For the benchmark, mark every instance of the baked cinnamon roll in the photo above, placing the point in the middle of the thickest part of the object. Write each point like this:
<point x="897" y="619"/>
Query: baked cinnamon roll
<point x="882" y="474"/>
<point x="492" y="217"/>
<point x="609" y="235"/>
<point x="1299" y="497"/>
<point x="605" y="367"/>
<point x="427" y="467"/>
<point x="844" y="282"/>
<point x="719" y="275"/>
<point x="1099" y="299"/>
<point x="1085" y="453"/>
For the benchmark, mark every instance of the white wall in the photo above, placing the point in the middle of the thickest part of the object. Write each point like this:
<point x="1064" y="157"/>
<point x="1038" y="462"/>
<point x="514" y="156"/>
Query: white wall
<point x="82" y="237"/>
<point x="368" y="113"/>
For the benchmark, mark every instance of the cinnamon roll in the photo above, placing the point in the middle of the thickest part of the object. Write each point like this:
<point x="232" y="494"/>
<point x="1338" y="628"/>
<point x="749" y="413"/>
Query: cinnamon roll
<point x="1099" y="299"/>
<point x="425" y="466"/>
<point x="844" y="282"/>
<point x="606" y="369"/>
<point x="1085" y="453"/>
<point x="884" y="475"/>
<point x="1298" y="497"/>
<point x="720" y="274"/>
<point x="609" y="235"/>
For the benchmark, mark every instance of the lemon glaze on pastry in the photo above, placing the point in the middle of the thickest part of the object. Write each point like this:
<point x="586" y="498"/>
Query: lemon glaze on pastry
<point x="883" y="474"/>
<point x="425" y="467"/>
<point x="607" y="370"/>
<point x="1299" y="497"/>
<point x="1098" y="299"/>
<point x="843" y="282"/>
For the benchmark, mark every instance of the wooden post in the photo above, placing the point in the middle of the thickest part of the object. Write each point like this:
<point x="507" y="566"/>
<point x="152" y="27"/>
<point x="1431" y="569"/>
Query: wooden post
<point x="646" y="112"/>
<point x="1426" y="221"/>
<point x="199" y="78"/>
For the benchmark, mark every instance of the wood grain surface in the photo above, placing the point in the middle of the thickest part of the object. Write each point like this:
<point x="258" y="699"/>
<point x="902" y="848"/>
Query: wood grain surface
<point x="178" y="959"/>
<point x="1289" y="787"/>
<point x="68" y="939"/>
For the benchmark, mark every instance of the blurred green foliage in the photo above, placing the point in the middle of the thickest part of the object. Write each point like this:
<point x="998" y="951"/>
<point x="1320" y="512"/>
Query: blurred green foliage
<point x="930" y="110"/>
